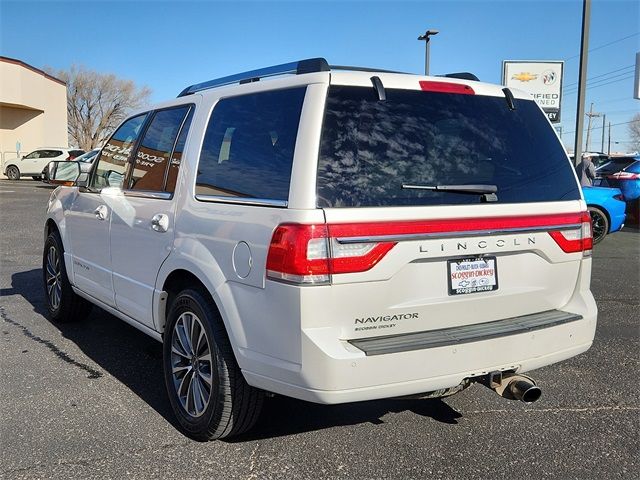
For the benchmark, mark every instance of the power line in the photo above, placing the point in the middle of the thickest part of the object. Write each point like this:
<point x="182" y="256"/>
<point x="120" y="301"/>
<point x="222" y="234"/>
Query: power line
<point x="614" y="100"/>
<point x="602" y="75"/>
<point x="605" y="45"/>
<point x="601" y="85"/>
<point x="597" y="82"/>
<point x="613" y="125"/>
<point x="604" y="81"/>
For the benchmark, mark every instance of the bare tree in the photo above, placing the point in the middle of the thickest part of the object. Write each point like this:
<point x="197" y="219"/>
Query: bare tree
<point x="97" y="103"/>
<point x="634" y="132"/>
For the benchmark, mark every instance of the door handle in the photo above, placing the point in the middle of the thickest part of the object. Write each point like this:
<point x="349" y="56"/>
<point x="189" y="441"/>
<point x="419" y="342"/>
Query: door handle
<point x="101" y="212"/>
<point x="160" y="222"/>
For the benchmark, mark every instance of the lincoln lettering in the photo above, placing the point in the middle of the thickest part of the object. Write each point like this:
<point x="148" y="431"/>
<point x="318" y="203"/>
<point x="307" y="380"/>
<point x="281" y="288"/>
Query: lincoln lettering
<point x="481" y="244"/>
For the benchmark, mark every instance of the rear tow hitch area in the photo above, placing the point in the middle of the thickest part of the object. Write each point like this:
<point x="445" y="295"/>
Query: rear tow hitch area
<point x="512" y="386"/>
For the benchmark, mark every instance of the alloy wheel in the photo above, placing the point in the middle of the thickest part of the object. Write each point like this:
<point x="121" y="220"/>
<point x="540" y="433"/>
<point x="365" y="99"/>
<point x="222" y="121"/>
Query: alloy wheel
<point x="191" y="364"/>
<point x="599" y="226"/>
<point x="13" y="173"/>
<point x="54" y="280"/>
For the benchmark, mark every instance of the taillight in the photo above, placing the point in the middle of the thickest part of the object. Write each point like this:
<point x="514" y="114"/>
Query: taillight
<point x="310" y="254"/>
<point x="576" y="240"/>
<point x="446" y="87"/>
<point x="624" y="176"/>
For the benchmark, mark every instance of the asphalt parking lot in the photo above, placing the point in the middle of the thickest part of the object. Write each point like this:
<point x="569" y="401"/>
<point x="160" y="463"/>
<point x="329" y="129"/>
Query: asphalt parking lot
<point x="87" y="400"/>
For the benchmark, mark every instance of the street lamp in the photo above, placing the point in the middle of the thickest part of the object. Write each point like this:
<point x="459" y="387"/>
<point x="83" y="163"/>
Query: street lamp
<point x="425" y="37"/>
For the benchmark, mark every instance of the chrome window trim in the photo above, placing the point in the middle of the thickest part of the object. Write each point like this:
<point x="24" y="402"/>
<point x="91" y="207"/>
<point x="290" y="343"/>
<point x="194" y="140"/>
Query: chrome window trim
<point x="257" y="202"/>
<point x="148" y="194"/>
<point x="438" y="235"/>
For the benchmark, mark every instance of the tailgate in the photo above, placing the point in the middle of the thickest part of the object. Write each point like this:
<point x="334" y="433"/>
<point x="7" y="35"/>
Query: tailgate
<point x="440" y="271"/>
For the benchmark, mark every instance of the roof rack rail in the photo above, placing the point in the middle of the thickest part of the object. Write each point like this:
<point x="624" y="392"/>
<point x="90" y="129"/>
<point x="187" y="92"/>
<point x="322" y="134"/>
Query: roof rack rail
<point x="361" y="69"/>
<point x="308" y="65"/>
<point x="462" y="76"/>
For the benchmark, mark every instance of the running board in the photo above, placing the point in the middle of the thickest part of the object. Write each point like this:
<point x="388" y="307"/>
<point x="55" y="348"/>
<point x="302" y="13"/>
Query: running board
<point x="443" y="337"/>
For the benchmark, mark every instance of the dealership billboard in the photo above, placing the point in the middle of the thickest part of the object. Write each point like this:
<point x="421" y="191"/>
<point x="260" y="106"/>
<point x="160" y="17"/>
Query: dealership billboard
<point x="543" y="80"/>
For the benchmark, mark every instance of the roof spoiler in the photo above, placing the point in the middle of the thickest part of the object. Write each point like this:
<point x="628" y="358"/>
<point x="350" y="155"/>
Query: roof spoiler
<point x="462" y="76"/>
<point x="300" y="67"/>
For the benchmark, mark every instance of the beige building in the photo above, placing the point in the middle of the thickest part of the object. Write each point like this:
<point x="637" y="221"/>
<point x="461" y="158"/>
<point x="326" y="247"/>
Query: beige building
<point x="33" y="109"/>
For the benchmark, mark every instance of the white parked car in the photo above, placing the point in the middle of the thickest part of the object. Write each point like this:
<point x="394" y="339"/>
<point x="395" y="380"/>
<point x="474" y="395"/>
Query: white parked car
<point x="85" y="160"/>
<point x="33" y="163"/>
<point x="330" y="234"/>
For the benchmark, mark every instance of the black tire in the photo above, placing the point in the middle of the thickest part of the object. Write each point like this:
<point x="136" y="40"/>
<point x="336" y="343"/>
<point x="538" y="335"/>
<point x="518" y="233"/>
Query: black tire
<point x="13" y="173"/>
<point x="600" y="224"/>
<point x="232" y="406"/>
<point x="63" y="304"/>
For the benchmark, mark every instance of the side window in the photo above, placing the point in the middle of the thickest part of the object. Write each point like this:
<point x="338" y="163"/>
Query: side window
<point x="152" y="157"/>
<point x="112" y="162"/>
<point x="249" y="144"/>
<point x="33" y="155"/>
<point x="176" y="156"/>
<point x="51" y="154"/>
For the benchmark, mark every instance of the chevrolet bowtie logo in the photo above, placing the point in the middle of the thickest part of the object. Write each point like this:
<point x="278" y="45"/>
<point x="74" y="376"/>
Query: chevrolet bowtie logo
<point x="524" y="76"/>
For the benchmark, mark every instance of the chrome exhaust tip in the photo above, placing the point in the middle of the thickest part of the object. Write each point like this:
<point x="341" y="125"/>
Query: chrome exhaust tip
<point x="514" y="387"/>
<point x="524" y="390"/>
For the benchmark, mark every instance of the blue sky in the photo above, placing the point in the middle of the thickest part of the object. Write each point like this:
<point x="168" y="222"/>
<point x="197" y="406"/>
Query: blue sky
<point x="168" y="45"/>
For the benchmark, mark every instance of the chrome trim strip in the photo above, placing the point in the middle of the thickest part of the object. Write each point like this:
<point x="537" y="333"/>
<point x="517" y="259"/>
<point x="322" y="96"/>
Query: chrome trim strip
<point x="438" y="235"/>
<point x="406" y="342"/>
<point x="147" y="194"/>
<point x="256" y="202"/>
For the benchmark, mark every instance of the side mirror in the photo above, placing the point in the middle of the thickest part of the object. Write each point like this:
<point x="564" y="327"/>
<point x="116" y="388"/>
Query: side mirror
<point x="63" y="173"/>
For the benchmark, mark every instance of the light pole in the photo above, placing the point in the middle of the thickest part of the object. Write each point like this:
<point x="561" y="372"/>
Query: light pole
<point x="582" y="78"/>
<point x="425" y="37"/>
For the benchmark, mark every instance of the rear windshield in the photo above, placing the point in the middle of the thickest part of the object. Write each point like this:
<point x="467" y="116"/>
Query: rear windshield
<point x="371" y="148"/>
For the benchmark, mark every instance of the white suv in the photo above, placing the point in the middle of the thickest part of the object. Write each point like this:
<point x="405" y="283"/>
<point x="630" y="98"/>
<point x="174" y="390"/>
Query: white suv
<point x="33" y="163"/>
<point x="331" y="234"/>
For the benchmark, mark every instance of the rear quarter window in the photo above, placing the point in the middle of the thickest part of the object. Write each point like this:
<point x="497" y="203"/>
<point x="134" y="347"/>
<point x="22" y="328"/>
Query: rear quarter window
<point x="249" y="145"/>
<point x="371" y="148"/>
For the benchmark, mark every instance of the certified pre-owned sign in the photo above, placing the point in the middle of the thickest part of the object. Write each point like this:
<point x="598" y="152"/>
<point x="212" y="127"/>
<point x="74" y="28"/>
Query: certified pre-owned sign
<point x="543" y="80"/>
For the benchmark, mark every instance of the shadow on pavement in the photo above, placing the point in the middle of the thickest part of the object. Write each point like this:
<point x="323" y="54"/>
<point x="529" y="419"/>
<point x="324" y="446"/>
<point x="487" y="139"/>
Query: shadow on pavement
<point x="282" y="416"/>
<point x="136" y="360"/>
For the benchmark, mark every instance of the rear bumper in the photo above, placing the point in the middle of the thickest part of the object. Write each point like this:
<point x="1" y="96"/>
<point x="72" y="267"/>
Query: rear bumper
<point x="335" y="371"/>
<point x="414" y="386"/>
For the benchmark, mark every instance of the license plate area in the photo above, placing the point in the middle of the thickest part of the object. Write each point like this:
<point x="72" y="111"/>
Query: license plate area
<point x="472" y="275"/>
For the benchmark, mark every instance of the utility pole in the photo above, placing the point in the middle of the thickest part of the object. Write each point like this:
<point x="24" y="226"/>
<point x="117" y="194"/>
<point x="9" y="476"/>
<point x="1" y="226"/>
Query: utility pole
<point x="425" y="37"/>
<point x="591" y="115"/>
<point x="609" y="146"/>
<point x="582" y="78"/>
<point x="604" y="120"/>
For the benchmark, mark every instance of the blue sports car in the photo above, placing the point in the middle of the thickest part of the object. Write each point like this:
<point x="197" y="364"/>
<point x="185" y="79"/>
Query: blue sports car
<point x="606" y="206"/>
<point x="623" y="172"/>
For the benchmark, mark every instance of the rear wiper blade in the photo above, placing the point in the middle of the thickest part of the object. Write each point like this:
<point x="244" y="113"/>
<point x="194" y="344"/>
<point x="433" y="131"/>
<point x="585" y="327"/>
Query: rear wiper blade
<point x="473" y="189"/>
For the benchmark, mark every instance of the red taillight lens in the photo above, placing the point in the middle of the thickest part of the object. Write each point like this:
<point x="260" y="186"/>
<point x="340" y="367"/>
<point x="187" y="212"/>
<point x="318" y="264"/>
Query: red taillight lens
<point x="576" y="240"/>
<point x="298" y="254"/>
<point x="309" y="254"/>
<point x="624" y="176"/>
<point x="446" y="87"/>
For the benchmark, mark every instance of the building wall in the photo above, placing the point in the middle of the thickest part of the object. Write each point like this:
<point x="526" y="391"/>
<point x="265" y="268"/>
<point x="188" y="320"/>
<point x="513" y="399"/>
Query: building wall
<point x="33" y="109"/>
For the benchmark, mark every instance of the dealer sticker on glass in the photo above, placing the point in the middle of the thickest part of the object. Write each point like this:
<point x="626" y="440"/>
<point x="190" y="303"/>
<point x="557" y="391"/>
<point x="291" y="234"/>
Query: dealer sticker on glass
<point x="471" y="275"/>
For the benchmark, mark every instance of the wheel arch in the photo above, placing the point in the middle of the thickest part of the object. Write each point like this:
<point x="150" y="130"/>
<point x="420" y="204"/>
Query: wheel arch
<point x="178" y="273"/>
<point x="50" y="226"/>
<point x="604" y="211"/>
<point x="11" y="164"/>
